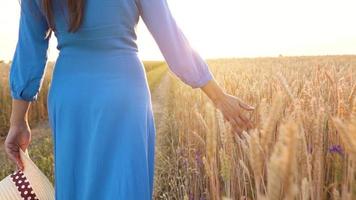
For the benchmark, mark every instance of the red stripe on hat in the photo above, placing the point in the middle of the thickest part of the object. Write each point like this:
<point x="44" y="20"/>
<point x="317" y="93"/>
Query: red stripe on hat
<point x="23" y="185"/>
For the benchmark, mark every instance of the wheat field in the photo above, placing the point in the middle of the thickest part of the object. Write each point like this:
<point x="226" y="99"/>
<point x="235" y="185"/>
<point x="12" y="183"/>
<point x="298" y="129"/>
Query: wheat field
<point x="302" y="145"/>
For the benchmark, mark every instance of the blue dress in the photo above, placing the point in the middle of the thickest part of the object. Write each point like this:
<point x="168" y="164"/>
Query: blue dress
<point x="99" y="103"/>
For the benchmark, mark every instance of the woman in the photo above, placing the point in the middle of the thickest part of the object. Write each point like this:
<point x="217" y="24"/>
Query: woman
<point x="99" y="103"/>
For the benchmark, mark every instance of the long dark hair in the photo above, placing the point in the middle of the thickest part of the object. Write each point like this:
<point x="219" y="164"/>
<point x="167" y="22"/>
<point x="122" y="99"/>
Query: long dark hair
<point x="75" y="11"/>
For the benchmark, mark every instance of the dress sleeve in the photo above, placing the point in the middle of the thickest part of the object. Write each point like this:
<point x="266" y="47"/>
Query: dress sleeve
<point x="30" y="56"/>
<point x="181" y="58"/>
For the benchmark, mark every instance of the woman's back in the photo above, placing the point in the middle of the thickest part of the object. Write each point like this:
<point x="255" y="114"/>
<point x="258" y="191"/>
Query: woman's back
<point x="99" y="104"/>
<point x="107" y="25"/>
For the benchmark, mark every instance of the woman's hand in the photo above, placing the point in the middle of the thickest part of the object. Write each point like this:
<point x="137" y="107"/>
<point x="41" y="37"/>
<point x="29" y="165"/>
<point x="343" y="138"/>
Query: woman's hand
<point x="232" y="108"/>
<point x="19" y="136"/>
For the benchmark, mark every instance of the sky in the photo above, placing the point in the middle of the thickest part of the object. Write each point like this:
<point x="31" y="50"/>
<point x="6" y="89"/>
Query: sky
<point x="235" y="28"/>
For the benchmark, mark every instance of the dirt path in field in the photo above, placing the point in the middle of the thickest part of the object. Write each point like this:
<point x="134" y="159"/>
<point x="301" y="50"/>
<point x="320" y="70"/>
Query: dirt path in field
<point x="159" y="101"/>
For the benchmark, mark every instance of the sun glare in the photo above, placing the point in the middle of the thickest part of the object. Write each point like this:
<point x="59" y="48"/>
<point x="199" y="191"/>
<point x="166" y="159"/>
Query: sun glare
<point x="236" y="28"/>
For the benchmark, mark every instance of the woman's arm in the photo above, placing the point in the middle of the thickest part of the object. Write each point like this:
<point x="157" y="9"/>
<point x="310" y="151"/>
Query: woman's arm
<point x="183" y="60"/>
<point x="26" y="75"/>
<point x="231" y="106"/>
<point x="213" y="90"/>
<point x="186" y="63"/>
<point x="19" y="113"/>
<point x="19" y="135"/>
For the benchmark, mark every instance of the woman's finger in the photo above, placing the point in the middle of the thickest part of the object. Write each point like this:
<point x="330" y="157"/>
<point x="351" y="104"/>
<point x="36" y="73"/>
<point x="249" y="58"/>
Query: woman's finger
<point x="14" y="154"/>
<point x="240" y="122"/>
<point x="232" y="122"/>
<point x="246" y="106"/>
<point x="235" y="125"/>
<point x="237" y="130"/>
<point x="243" y="121"/>
<point x="246" y="120"/>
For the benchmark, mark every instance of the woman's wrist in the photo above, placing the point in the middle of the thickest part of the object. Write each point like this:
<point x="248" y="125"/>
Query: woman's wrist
<point x="213" y="91"/>
<point x="18" y="123"/>
<point x="19" y="113"/>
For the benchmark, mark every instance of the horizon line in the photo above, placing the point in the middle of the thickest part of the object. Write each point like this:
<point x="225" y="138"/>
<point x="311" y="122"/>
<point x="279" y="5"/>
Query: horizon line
<point x="235" y="57"/>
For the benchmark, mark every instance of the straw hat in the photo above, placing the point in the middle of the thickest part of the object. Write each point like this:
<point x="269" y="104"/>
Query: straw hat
<point x="29" y="184"/>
